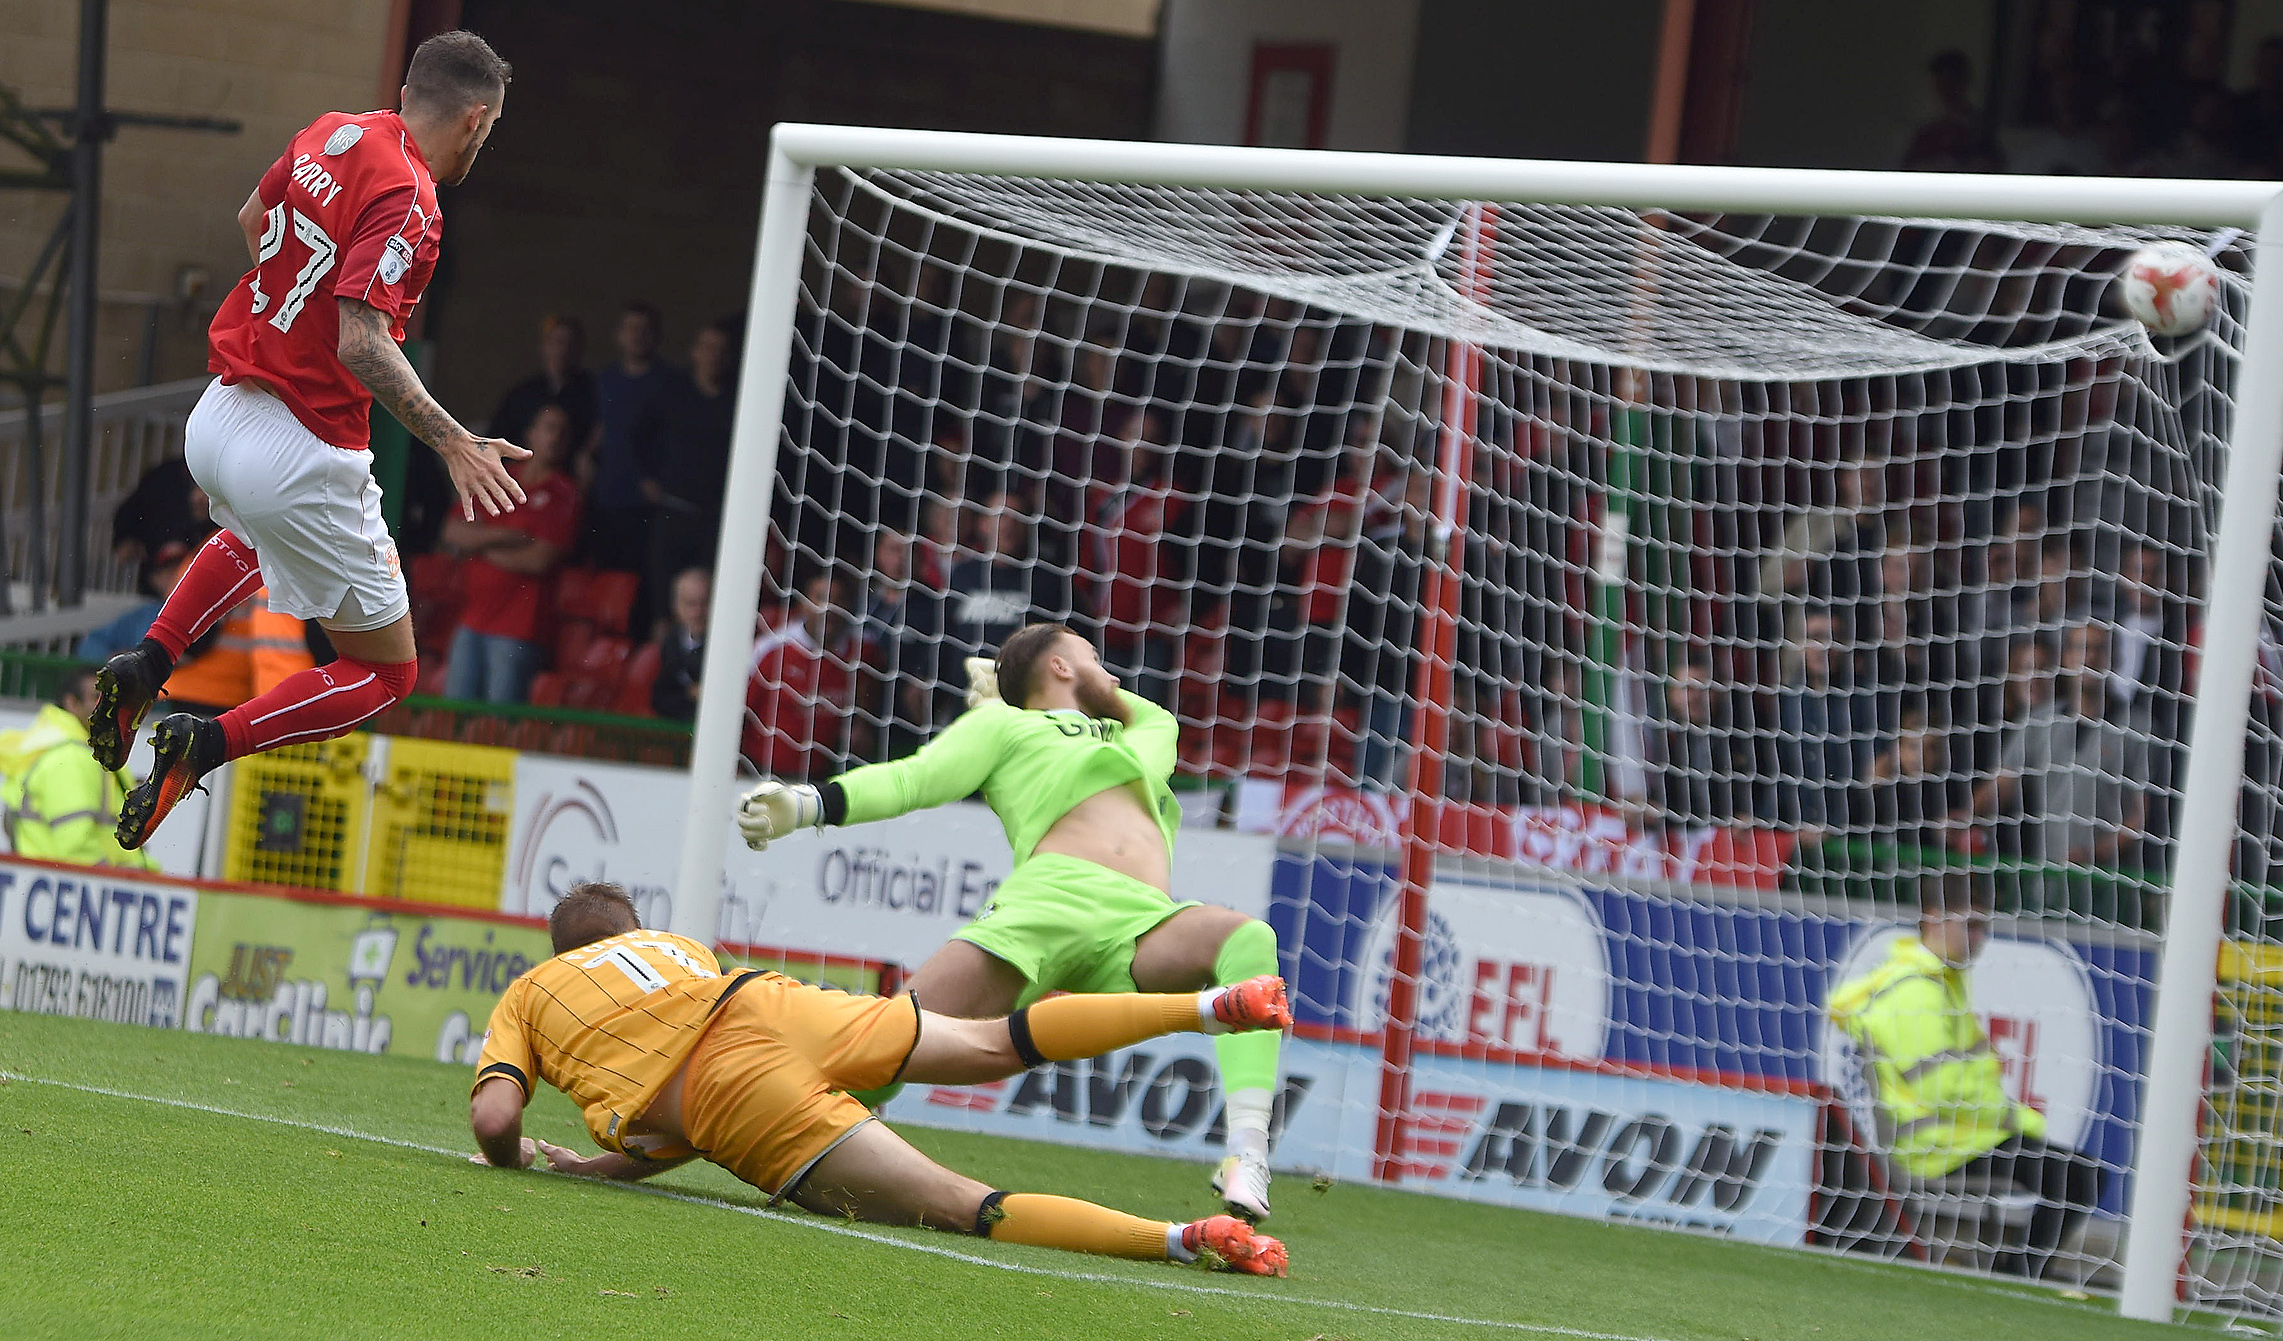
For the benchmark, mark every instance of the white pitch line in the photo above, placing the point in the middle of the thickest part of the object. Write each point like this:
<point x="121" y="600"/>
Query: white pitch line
<point x="805" y="1221"/>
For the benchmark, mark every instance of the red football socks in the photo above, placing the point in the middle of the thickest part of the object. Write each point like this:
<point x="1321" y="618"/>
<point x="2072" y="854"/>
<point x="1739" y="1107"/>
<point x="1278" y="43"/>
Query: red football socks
<point x="222" y="573"/>
<point x="316" y="704"/>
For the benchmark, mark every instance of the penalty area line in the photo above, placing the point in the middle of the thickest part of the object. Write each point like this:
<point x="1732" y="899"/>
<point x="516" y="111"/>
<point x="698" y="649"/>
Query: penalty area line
<point x="803" y="1220"/>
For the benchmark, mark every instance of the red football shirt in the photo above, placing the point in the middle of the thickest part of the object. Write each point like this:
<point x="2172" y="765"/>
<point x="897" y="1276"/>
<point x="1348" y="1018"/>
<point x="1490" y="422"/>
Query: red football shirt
<point x="797" y="703"/>
<point x="1132" y="567"/>
<point x="514" y="605"/>
<point x="350" y="212"/>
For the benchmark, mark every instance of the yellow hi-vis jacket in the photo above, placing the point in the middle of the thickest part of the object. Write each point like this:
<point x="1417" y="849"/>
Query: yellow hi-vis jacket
<point x="61" y="805"/>
<point x="1939" y="1086"/>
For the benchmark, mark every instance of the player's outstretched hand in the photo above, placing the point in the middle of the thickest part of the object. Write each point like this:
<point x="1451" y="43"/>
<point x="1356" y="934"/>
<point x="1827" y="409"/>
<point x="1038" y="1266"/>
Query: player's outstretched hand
<point x="563" y="1160"/>
<point x="982" y="681"/>
<point x="775" y="809"/>
<point x="478" y="467"/>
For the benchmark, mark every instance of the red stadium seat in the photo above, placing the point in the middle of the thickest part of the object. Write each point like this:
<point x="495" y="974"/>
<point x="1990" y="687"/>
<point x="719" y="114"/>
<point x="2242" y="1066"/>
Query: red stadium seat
<point x="590" y="693"/>
<point x="547" y="688"/>
<point x="603" y="659"/>
<point x="610" y="600"/>
<point x="429" y="680"/>
<point x="641" y="674"/>
<point x="571" y="586"/>
<point x="1269" y="743"/>
<point x="433" y="582"/>
<point x="571" y="639"/>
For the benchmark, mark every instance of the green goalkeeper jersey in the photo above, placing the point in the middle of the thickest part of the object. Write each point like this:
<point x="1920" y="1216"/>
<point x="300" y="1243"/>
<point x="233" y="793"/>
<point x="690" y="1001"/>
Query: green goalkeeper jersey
<point x="1032" y="767"/>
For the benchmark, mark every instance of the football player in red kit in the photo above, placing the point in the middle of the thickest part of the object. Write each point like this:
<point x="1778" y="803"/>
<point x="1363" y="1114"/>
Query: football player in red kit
<point x="343" y="230"/>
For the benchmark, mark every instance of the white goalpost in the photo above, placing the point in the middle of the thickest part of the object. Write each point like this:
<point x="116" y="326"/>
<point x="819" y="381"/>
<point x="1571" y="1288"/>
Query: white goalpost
<point x="1619" y="328"/>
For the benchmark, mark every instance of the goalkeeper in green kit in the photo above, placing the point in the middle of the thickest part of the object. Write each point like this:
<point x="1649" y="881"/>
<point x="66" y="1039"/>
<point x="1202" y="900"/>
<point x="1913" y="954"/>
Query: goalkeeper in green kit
<point x="1076" y="770"/>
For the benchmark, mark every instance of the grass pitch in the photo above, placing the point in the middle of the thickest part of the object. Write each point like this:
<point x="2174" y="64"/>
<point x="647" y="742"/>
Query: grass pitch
<point x="172" y="1185"/>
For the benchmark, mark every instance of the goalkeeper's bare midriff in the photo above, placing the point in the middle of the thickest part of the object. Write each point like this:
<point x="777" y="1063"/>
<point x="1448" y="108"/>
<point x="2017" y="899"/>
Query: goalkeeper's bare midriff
<point x="1113" y="829"/>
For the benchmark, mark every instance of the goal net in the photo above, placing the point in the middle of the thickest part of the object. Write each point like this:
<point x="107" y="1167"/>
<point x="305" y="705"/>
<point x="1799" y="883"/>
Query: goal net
<point x="1620" y="653"/>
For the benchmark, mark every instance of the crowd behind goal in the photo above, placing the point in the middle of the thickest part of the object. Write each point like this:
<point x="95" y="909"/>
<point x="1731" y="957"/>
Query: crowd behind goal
<point x="1851" y="602"/>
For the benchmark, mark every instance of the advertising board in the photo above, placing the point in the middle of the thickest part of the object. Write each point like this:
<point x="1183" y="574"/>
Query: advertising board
<point x="354" y="975"/>
<point x="94" y="943"/>
<point x="1573" y="1140"/>
<point x="1582" y="1141"/>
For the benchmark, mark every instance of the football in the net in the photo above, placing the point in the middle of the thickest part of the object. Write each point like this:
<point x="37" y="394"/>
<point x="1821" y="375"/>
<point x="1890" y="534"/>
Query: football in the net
<point x="2170" y="287"/>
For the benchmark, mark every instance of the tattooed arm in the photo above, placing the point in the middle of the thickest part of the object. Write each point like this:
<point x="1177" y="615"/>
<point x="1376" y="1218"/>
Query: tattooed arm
<point x="475" y="464"/>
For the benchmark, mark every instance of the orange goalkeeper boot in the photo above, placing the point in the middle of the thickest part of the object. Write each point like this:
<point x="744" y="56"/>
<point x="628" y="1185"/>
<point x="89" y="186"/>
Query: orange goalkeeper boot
<point x="1255" y="1003"/>
<point x="1226" y="1243"/>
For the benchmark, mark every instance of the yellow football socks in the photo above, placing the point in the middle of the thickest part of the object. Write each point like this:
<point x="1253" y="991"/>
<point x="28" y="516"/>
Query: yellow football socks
<point x="1064" y="1028"/>
<point x="1080" y="1226"/>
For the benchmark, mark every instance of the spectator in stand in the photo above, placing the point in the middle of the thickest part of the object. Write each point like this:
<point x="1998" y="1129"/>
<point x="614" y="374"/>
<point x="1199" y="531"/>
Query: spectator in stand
<point x="2073" y="771"/>
<point x="994" y="592"/>
<point x="1958" y="138"/>
<point x="2065" y="588"/>
<point x="1165" y="346"/>
<point x="562" y="380"/>
<point x="2147" y="650"/>
<point x="1828" y="730"/>
<point x="1137" y="564"/>
<point x="685" y="457"/>
<point x="1019" y="367"/>
<point x="1700" y="762"/>
<point x="1085" y="455"/>
<point x="1915" y="637"/>
<point x="800" y="699"/>
<point x="682" y="647"/>
<point x="2148" y="641"/>
<point x="1241" y="549"/>
<point x="167" y="509"/>
<point x="503" y="635"/>
<point x="627" y="393"/>
<point x="160" y="572"/>
<point x="58" y="803"/>
<point x="938" y="546"/>
<point x="865" y="438"/>
<point x="1379" y="657"/>
<point x="2019" y="686"/>
<point x="1318" y="561"/>
<point x="1916" y="797"/>
<point x="900" y="627"/>
<point x="1993" y="611"/>
<point x="1824" y="546"/>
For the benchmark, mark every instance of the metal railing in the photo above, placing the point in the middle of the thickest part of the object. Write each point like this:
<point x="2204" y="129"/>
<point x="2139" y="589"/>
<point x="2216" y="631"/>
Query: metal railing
<point x="132" y="431"/>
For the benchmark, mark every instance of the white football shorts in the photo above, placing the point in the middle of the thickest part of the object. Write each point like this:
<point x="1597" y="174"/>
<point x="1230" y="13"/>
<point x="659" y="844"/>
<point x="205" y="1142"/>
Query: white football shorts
<point x="312" y="511"/>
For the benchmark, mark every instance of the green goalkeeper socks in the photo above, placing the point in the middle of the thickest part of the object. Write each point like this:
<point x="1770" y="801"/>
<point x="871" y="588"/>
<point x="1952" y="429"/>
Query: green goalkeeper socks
<point x="1248" y="1061"/>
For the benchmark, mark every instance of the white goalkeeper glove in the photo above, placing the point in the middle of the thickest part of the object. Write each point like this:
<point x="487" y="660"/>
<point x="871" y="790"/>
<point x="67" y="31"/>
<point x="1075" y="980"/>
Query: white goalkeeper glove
<point x="982" y="681"/>
<point x="775" y="809"/>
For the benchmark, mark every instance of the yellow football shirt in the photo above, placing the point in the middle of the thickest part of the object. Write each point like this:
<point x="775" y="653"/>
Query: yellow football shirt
<point x="608" y="1024"/>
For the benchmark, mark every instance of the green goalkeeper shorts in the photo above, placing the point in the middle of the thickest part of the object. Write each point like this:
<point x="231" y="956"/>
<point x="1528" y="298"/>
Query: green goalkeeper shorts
<point x="1069" y="925"/>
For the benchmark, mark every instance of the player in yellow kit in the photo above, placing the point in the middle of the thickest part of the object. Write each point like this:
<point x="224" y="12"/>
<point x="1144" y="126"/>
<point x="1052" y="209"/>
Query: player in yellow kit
<point x="672" y="1059"/>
